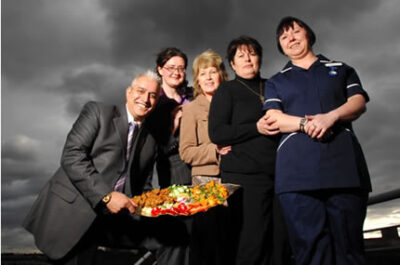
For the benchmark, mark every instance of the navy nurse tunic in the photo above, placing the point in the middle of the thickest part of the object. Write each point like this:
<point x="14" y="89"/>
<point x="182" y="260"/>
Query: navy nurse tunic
<point x="303" y="163"/>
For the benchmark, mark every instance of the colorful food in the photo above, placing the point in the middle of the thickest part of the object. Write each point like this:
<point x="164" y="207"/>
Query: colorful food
<point x="181" y="200"/>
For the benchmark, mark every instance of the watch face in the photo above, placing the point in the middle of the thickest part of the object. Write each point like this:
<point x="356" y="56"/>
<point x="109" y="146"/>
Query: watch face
<point x="106" y="198"/>
<point x="303" y="122"/>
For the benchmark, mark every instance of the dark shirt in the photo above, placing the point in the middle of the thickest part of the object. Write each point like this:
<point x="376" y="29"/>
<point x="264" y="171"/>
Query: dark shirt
<point x="234" y="112"/>
<point x="160" y="124"/>
<point x="304" y="163"/>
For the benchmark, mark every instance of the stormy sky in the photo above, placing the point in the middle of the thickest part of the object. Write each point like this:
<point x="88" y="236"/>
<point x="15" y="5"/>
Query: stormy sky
<point x="56" y="55"/>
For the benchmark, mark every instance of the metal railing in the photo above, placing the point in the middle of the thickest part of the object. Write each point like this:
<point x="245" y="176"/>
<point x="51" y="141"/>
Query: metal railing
<point x="384" y="197"/>
<point x="386" y="248"/>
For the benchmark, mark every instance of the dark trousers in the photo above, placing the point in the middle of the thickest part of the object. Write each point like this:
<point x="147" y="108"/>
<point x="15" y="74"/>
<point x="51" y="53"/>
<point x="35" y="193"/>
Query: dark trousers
<point x="281" y="246"/>
<point x="165" y="236"/>
<point x="325" y="227"/>
<point x="248" y="233"/>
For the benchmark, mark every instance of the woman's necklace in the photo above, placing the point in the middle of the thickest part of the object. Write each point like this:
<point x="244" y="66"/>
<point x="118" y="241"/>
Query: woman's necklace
<point x="260" y="95"/>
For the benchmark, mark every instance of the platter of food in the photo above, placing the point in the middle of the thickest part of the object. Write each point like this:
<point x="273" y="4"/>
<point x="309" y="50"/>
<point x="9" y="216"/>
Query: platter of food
<point x="181" y="200"/>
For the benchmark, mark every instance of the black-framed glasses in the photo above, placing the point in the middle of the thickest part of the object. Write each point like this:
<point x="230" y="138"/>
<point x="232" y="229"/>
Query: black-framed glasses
<point x="172" y="69"/>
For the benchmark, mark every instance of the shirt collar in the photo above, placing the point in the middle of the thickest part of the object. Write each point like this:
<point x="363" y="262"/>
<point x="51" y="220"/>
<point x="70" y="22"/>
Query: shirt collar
<point x="130" y="117"/>
<point x="289" y="66"/>
<point x="183" y="96"/>
<point x="322" y="59"/>
<point x="256" y="78"/>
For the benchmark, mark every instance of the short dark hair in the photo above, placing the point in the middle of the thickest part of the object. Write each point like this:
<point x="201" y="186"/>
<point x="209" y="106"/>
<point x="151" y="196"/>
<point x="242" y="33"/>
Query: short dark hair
<point x="288" y="22"/>
<point x="167" y="53"/>
<point x="243" y="40"/>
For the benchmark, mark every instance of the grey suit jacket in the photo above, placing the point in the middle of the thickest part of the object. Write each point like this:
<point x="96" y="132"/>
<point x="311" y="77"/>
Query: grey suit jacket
<point x="93" y="159"/>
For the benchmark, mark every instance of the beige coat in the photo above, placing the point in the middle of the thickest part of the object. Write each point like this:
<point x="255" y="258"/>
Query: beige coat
<point x="195" y="147"/>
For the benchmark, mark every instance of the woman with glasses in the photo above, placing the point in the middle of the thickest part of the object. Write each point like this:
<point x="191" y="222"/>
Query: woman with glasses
<point x="165" y="120"/>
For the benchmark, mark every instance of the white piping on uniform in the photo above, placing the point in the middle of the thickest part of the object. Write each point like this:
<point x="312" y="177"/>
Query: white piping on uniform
<point x="285" y="70"/>
<point x="350" y="131"/>
<point x="290" y="135"/>
<point x="272" y="99"/>
<point x="333" y="64"/>
<point x="354" y="84"/>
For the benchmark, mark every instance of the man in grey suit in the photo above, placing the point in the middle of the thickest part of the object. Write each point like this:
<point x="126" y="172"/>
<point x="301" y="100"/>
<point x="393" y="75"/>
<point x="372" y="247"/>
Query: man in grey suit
<point x="80" y="207"/>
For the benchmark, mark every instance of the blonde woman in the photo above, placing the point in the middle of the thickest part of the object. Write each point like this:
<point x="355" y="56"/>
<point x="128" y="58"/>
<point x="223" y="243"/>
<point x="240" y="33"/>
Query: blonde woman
<point x="195" y="147"/>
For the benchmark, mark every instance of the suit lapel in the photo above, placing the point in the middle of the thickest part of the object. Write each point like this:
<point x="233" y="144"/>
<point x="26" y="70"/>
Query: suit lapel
<point x="134" y="162"/>
<point x="121" y="126"/>
<point x="139" y="141"/>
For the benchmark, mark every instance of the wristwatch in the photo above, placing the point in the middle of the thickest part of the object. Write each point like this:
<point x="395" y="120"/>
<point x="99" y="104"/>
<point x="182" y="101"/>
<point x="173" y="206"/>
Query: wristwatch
<point x="302" y="124"/>
<point x="106" y="199"/>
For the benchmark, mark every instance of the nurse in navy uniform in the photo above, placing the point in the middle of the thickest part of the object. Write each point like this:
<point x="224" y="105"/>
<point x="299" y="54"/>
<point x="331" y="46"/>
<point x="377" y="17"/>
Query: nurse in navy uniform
<point x="321" y="175"/>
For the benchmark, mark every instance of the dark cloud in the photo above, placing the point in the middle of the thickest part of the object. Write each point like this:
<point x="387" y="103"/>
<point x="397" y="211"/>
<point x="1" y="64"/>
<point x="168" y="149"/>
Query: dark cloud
<point x="41" y="35"/>
<point x="18" y="240"/>
<point x="141" y="28"/>
<point x="15" y="171"/>
<point x="21" y="172"/>
<point x="94" y="82"/>
<point x="10" y="207"/>
<point x="377" y="131"/>
<point x="20" y="147"/>
<point x="56" y="55"/>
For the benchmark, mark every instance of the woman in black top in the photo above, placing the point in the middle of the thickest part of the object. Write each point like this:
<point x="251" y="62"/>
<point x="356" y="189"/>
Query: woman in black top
<point x="234" y="112"/>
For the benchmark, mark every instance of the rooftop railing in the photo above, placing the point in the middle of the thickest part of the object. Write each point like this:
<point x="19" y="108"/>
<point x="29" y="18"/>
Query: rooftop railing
<point x="385" y="248"/>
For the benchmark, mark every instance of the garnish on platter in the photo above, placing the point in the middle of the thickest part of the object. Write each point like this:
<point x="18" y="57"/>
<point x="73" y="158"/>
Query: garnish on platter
<point x="182" y="200"/>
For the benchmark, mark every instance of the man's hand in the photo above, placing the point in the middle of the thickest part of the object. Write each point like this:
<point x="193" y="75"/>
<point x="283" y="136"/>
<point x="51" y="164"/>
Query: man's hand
<point x="120" y="201"/>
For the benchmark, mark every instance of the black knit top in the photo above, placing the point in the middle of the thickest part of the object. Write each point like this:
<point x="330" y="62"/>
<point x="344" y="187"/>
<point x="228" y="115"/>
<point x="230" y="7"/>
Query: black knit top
<point x="234" y="112"/>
